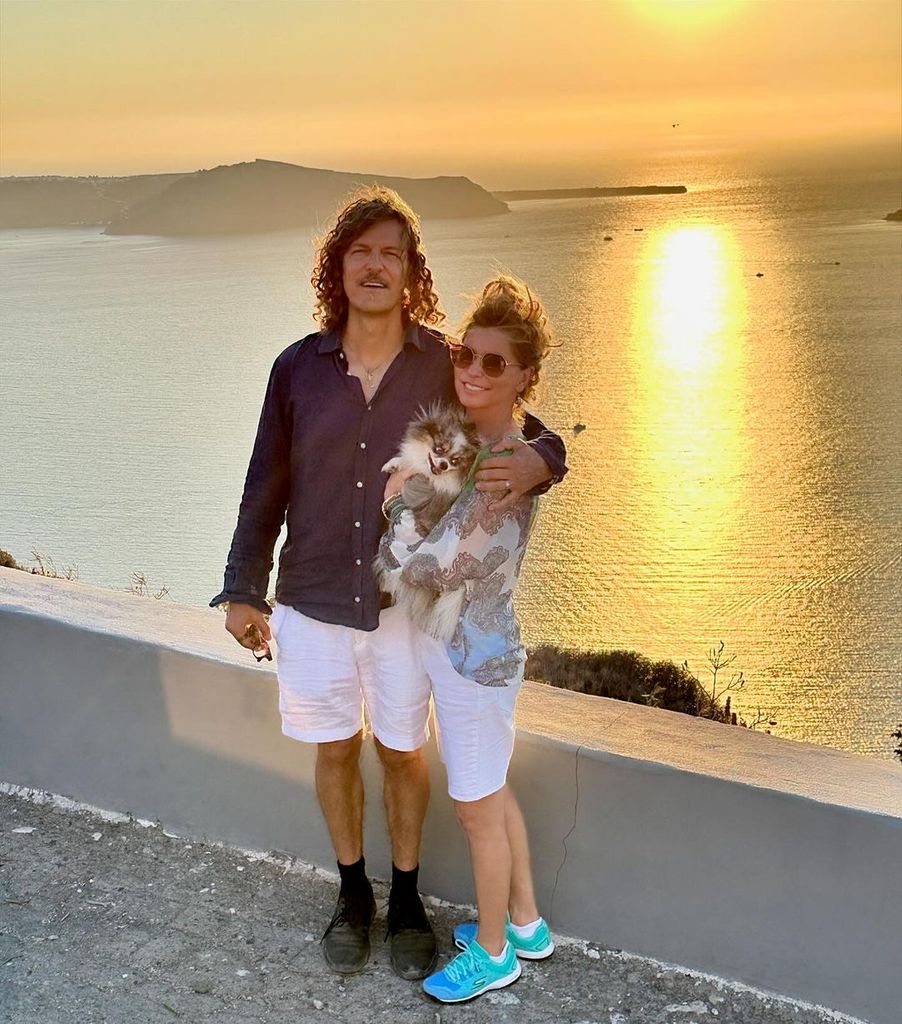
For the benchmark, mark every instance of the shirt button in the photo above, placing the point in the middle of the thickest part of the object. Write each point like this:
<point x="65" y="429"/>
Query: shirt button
<point x="357" y="526"/>
<point x="363" y="444"/>
<point x="356" y="600"/>
<point x="359" y="562"/>
<point x="360" y="483"/>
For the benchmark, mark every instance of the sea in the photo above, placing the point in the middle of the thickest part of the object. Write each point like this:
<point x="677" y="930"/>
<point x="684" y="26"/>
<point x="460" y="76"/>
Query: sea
<point x="728" y="383"/>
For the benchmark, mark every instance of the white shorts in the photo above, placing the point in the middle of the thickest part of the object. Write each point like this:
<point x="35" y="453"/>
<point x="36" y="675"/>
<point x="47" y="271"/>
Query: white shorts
<point x="475" y="725"/>
<point x="329" y="673"/>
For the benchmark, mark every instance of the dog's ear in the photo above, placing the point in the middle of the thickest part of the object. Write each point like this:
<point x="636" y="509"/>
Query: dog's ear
<point x="392" y="466"/>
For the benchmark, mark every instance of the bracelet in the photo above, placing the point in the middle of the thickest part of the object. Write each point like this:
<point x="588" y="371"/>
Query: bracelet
<point x="393" y="506"/>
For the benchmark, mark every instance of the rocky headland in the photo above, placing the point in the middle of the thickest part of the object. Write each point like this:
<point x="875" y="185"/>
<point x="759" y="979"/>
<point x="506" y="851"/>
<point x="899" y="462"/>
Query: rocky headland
<point x="245" y="198"/>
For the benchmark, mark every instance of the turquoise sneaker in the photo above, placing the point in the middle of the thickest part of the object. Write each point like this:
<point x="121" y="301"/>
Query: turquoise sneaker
<point x="538" y="947"/>
<point x="471" y="973"/>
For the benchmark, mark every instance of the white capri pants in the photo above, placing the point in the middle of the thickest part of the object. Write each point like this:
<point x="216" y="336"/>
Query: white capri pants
<point x="475" y="725"/>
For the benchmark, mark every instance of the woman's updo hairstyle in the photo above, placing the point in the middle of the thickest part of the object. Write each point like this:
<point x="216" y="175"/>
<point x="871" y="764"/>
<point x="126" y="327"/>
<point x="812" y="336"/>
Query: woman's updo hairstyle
<point x="508" y="304"/>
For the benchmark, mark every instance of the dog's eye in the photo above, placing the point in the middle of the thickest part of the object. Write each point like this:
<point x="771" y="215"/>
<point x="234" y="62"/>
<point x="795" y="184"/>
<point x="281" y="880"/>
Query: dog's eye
<point x="454" y="460"/>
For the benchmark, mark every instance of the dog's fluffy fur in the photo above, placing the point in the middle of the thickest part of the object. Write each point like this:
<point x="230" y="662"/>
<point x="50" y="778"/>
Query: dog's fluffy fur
<point x="440" y="444"/>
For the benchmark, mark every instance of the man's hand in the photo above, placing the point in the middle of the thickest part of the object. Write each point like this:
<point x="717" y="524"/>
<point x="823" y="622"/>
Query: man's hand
<point x="511" y="476"/>
<point x="248" y="626"/>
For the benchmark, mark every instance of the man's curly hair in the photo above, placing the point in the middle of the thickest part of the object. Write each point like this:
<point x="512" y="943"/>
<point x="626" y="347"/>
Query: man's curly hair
<point x="364" y="208"/>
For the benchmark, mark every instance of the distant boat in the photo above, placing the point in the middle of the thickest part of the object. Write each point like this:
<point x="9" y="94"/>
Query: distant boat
<point x="609" y="238"/>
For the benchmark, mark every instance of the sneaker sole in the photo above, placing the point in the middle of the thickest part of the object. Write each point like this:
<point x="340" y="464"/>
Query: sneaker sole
<point x="496" y="984"/>
<point x="539" y="954"/>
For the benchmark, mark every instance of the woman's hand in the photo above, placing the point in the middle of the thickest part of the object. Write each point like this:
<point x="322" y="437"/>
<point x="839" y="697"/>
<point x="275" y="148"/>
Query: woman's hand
<point x="509" y="477"/>
<point x="396" y="482"/>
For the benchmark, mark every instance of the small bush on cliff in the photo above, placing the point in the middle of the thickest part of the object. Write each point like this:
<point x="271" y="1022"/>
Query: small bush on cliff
<point x="8" y="562"/>
<point x="630" y="676"/>
<point x="43" y="566"/>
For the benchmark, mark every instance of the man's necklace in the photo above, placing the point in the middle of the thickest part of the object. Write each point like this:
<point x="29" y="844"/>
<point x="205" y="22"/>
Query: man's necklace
<point x="375" y="375"/>
<point x="372" y="376"/>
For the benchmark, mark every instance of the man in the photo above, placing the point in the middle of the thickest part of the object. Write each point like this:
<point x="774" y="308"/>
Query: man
<point x="336" y="406"/>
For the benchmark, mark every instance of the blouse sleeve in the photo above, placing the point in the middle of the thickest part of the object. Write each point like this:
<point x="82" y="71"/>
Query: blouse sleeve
<point x="470" y="542"/>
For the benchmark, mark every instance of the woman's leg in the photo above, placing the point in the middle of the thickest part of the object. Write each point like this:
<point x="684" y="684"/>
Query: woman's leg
<point x="485" y="825"/>
<point x="523" y="909"/>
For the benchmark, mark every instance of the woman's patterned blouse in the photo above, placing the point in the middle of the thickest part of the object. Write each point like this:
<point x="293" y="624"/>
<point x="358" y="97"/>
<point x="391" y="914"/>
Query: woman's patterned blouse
<point x="480" y="550"/>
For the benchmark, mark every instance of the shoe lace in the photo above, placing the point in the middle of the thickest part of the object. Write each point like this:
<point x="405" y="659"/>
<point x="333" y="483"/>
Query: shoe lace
<point x="348" y="911"/>
<point x="462" y="966"/>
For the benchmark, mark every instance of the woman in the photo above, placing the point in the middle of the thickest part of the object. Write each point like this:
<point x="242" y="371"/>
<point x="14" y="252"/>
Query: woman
<point x="477" y="675"/>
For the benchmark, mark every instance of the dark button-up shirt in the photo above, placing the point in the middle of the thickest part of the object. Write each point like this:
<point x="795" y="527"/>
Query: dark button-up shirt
<point x="317" y="461"/>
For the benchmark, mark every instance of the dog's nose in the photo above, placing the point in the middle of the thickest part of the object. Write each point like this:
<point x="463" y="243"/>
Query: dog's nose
<point x="443" y="464"/>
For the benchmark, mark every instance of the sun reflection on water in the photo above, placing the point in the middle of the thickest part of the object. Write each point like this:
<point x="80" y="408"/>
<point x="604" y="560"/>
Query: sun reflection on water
<point x="689" y="437"/>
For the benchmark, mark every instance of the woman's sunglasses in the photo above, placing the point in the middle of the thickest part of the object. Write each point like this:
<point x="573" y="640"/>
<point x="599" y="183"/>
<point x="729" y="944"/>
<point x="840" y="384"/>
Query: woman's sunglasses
<point x="492" y="364"/>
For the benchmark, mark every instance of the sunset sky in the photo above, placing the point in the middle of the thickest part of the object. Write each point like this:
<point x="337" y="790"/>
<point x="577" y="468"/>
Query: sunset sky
<point x="507" y="93"/>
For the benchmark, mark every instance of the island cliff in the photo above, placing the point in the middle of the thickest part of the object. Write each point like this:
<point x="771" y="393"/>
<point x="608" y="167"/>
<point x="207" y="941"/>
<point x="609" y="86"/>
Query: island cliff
<point x="246" y="198"/>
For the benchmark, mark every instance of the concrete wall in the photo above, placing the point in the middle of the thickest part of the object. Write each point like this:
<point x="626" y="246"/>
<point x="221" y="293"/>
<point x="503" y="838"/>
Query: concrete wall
<point x="773" y="863"/>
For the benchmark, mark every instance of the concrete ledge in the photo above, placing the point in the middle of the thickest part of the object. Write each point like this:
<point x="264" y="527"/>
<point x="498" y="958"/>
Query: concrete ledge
<point x="772" y="863"/>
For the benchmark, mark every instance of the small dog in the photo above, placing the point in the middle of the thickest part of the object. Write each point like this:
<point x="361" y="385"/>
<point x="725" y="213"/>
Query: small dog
<point x="441" y="445"/>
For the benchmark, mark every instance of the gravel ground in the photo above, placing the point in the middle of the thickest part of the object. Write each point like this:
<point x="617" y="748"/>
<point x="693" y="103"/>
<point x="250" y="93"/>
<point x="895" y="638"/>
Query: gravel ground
<point x="116" y="921"/>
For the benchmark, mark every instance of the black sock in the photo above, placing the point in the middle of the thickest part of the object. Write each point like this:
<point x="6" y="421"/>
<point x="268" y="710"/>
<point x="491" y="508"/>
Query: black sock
<point x="403" y="885"/>
<point x="353" y="878"/>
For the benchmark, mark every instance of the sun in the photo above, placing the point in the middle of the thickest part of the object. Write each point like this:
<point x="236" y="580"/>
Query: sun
<point x="687" y="15"/>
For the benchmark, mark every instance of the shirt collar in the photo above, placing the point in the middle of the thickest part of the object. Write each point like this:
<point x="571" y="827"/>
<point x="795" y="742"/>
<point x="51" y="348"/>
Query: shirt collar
<point x="330" y="341"/>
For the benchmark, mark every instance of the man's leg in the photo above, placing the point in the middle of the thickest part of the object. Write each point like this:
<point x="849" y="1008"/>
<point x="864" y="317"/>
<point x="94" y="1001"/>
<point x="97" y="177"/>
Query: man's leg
<point x="396" y="690"/>
<point x="406" y="794"/>
<point x="339" y="786"/>
<point x="320" y="698"/>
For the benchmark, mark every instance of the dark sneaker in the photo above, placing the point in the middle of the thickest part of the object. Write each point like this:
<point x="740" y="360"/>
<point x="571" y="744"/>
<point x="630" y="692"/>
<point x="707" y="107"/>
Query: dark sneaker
<point x="413" y="948"/>
<point x="346" y="942"/>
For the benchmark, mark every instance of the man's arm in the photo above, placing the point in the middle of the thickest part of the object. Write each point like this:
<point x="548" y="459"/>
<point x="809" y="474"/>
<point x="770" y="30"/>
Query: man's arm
<point x="265" y="498"/>
<point x="535" y="465"/>
<point x="550" y="446"/>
